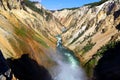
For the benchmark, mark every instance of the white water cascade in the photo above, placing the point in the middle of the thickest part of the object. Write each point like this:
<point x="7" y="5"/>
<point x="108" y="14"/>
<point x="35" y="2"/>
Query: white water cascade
<point x="68" y="67"/>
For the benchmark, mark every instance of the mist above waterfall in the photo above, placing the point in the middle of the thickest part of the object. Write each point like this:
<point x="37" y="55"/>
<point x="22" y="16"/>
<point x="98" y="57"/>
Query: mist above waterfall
<point x="67" y="65"/>
<point x="66" y="70"/>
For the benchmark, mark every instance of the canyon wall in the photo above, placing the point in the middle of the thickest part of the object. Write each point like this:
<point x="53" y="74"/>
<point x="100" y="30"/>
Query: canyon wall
<point x="89" y="28"/>
<point x="26" y="31"/>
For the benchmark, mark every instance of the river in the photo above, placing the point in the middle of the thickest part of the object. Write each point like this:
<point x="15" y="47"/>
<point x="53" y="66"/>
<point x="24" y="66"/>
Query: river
<point x="68" y="67"/>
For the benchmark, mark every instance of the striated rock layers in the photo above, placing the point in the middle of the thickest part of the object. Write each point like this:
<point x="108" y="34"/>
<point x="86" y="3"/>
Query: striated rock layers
<point x="85" y="24"/>
<point x="89" y="28"/>
<point x="24" y="31"/>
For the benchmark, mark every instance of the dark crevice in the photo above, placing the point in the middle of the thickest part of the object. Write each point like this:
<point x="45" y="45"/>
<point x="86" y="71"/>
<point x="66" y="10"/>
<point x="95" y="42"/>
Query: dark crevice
<point x="8" y="5"/>
<point x="3" y="5"/>
<point x="118" y="27"/>
<point x="27" y="69"/>
<point x="116" y="14"/>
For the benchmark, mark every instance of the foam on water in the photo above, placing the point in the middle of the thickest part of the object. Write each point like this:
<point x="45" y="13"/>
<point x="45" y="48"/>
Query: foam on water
<point x="68" y="68"/>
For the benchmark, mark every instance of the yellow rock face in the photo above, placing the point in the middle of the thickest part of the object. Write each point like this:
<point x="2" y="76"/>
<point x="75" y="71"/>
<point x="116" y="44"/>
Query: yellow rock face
<point x="26" y="32"/>
<point x="89" y="25"/>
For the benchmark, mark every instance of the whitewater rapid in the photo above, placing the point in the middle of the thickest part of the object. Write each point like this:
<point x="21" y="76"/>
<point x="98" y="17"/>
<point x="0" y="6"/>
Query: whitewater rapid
<point x="68" y="66"/>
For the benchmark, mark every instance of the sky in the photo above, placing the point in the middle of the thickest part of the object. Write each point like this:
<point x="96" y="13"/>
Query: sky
<point x="59" y="4"/>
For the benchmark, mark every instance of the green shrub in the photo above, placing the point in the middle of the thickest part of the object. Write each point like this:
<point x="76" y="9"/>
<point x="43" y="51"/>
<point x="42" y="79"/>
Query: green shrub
<point x="32" y="6"/>
<point x="88" y="47"/>
<point x="96" y="3"/>
<point x="69" y="8"/>
<point x="22" y="31"/>
<point x="89" y="66"/>
<point x="48" y="16"/>
<point x="39" y="40"/>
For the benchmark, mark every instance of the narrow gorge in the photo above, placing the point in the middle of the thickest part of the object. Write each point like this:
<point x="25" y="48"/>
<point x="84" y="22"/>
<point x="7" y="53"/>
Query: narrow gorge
<point x="68" y="67"/>
<point x="80" y="43"/>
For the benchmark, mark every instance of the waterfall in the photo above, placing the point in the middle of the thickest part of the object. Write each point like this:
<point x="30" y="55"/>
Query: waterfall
<point x="68" y="67"/>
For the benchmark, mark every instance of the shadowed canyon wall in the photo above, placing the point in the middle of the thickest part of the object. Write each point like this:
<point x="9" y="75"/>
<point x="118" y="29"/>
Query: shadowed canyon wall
<point x="28" y="69"/>
<point x="108" y="67"/>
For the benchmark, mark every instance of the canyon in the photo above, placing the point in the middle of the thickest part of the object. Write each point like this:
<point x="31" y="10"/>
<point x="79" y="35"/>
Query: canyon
<point x="28" y="35"/>
<point x="88" y="29"/>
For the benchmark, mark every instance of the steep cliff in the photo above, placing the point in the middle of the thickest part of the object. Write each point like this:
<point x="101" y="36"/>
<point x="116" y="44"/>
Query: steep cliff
<point x="89" y="28"/>
<point x="26" y="31"/>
